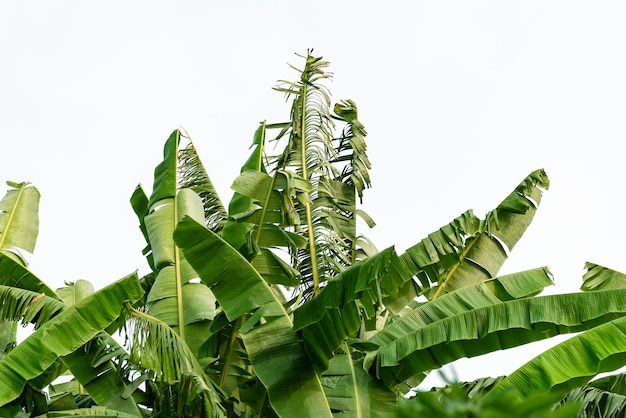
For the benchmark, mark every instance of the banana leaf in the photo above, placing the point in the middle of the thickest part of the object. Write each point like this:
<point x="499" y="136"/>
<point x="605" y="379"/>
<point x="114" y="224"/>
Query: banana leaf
<point x="19" y="220"/>
<point x="327" y="319"/>
<point x="27" y="306"/>
<point x="156" y="347"/>
<point x="575" y="361"/>
<point x="466" y="252"/>
<point x="420" y="342"/>
<point x="14" y="274"/>
<point x="352" y="392"/>
<point x="598" y="277"/>
<point x="597" y="402"/>
<point x="64" y="334"/>
<point x="181" y="188"/>
<point x="276" y="355"/>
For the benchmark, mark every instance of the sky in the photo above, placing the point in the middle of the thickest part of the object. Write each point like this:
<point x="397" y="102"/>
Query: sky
<point x="461" y="101"/>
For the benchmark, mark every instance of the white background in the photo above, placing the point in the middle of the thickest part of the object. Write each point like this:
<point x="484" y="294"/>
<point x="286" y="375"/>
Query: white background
<point x="461" y="101"/>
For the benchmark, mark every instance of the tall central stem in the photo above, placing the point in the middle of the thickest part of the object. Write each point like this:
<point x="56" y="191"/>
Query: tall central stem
<point x="307" y="204"/>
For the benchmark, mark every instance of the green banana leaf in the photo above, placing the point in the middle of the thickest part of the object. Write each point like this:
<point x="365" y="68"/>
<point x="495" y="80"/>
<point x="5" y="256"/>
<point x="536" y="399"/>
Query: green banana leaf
<point x="413" y="345"/>
<point x="24" y="303"/>
<point x="193" y="176"/>
<point x="464" y="252"/>
<point x="174" y="298"/>
<point x="353" y="392"/>
<point x="598" y="277"/>
<point x="14" y="274"/>
<point x="334" y="314"/>
<point x="157" y="347"/>
<point x="276" y="355"/>
<point x="236" y="232"/>
<point x="327" y="216"/>
<point x="75" y="292"/>
<point x="573" y="362"/>
<point x="19" y="220"/>
<point x="437" y="253"/>
<point x="182" y="169"/>
<point x="597" y="402"/>
<point x="64" y="334"/>
<point x="27" y="306"/>
<point x="19" y="227"/>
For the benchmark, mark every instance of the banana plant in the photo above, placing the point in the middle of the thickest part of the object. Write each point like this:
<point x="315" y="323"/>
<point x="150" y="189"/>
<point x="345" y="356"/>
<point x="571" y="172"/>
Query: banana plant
<point x="278" y="306"/>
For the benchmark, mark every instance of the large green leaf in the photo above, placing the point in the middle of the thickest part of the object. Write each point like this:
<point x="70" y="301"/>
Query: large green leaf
<point x="13" y="273"/>
<point x="433" y="256"/>
<point x="353" y="392"/>
<point x="29" y="307"/>
<point x="418" y="342"/>
<point x="20" y="303"/>
<point x="576" y="360"/>
<point x="466" y="252"/>
<point x="335" y="313"/>
<point x="602" y="278"/>
<point x="174" y="298"/>
<point x="276" y="355"/>
<point x="19" y="219"/>
<point x="352" y="148"/>
<point x="63" y="335"/>
<point x="597" y="402"/>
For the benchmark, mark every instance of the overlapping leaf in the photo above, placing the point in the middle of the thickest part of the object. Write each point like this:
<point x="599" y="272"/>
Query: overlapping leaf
<point x="412" y="346"/>
<point x="353" y="392"/>
<point x="276" y="355"/>
<point x="70" y="329"/>
<point x="468" y="251"/>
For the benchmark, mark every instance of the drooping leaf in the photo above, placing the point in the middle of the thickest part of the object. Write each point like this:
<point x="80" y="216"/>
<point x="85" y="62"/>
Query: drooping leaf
<point x="602" y="278"/>
<point x="63" y="335"/>
<point x="75" y="292"/>
<point x="417" y="343"/>
<point x="327" y="319"/>
<point x="13" y="273"/>
<point x="596" y="402"/>
<point x="154" y="346"/>
<point x="352" y="148"/>
<point x="576" y="360"/>
<point x="23" y="305"/>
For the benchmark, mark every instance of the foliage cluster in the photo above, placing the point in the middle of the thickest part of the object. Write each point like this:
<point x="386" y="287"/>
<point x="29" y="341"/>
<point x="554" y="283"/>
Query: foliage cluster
<point x="275" y="305"/>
